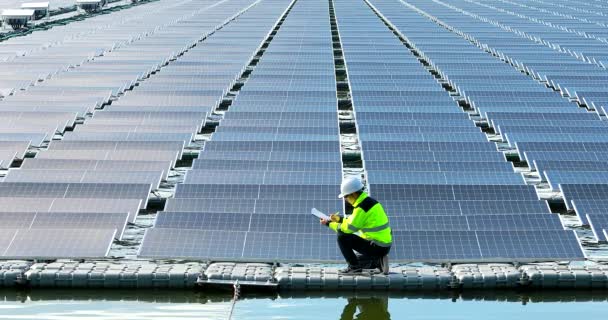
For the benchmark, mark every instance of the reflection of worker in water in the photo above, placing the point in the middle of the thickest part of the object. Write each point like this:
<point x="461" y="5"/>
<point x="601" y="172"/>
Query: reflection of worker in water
<point x="369" y="309"/>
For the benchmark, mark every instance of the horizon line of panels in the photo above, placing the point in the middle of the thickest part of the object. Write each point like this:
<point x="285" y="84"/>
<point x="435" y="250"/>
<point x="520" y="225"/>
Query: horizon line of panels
<point x="125" y="150"/>
<point x="365" y="38"/>
<point x="566" y="56"/>
<point x="525" y="113"/>
<point x="279" y="141"/>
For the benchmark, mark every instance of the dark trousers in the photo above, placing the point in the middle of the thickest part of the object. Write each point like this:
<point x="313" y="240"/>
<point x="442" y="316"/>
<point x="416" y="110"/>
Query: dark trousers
<point x="349" y="242"/>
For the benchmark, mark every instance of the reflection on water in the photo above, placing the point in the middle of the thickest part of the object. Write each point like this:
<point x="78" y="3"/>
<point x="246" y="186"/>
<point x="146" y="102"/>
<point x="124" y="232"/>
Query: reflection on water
<point x="366" y="309"/>
<point x="167" y="305"/>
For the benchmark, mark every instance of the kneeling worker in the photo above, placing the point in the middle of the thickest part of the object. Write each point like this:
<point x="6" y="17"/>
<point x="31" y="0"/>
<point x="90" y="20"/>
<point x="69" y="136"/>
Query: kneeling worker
<point x="369" y="221"/>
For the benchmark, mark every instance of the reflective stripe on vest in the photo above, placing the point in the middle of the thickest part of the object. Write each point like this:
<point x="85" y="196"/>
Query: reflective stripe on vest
<point x="381" y="244"/>
<point x="352" y="228"/>
<point x="375" y="229"/>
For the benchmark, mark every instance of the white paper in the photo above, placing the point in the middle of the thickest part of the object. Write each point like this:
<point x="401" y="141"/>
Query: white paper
<point x="319" y="214"/>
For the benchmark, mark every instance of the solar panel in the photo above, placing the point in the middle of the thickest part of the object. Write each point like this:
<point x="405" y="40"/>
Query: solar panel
<point x="116" y="155"/>
<point x="453" y="192"/>
<point x="426" y="156"/>
<point x="35" y="138"/>
<point x="18" y="204"/>
<point x="532" y="156"/>
<point x="555" y="165"/>
<point x="430" y="165"/>
<point x="33" y="205"/>
<point x="555" y="178"/>
<point x="302" y="178"/>
<point x="279" y="192"/>
<point x="272" y="156"/>
<point x="243" y="165"/>
<point x="562" y="147"/>
<point x="224" y="177"/>
<point x="192" y="244"/>
<point x="216" y="191"/>
<point x="431" y="246"/>
<point x="60" y="243"/>
<point x="443" y="178"/>
<point x="291" y="223"/>
<point x="542" y="116"/>
<point x="424" y="137"/>
<point x="289" y="146"/>
<point x="74" y="190"/>
<point x="503" y="207"/>
<point x="117" y="145"/>
<point x="585" y="207"/>
<point x="202" y="220"/>
<point x="512" y="138"/>
<point x="128" y="136"/>
<point x="429" y="223"/>
<point x="16" y="220"/>
<point x="210" y="205"/>
<point x="583" y="192"/>
<point x="81" y="220"/>
<point x="274" y="246"/>
<point x="297" y="206"/>
<point x="6" y="238"/>
<point x="494" y="192"/>
<point x="102" y="165"/>
<point x="550" y="245"/>
<point x="70" y="176"/>
<point x="137" y="128"/>
<point x="517" y="222"/>
<point x="598" y="223"/>
<point x="426" y="146"/>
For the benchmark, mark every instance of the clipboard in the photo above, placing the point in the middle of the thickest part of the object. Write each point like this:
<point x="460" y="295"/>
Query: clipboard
<point x="319" y="214"/>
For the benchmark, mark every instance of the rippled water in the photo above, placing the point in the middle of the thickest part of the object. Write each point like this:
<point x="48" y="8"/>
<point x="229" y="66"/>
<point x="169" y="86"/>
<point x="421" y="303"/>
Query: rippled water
<point x="136" y="305"/>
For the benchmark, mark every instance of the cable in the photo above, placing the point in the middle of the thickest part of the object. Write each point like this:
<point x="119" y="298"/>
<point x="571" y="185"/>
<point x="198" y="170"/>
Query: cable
<point x="237" y="293"/>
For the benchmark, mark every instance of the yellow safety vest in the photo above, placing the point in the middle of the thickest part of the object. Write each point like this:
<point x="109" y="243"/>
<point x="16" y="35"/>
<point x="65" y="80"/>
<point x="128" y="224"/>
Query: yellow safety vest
<point x="369" y="220"/>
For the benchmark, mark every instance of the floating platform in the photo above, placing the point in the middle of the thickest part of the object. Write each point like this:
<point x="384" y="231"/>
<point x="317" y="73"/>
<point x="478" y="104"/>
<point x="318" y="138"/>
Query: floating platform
<point x="296" y="278"/>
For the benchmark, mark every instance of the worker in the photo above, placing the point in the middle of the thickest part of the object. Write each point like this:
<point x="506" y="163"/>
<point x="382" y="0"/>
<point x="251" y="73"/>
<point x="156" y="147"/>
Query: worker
<point x="366" y="230"/>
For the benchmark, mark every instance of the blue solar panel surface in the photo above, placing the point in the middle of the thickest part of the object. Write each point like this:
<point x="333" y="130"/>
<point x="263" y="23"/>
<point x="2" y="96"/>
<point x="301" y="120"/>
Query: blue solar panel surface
<point x="288" y="129"/>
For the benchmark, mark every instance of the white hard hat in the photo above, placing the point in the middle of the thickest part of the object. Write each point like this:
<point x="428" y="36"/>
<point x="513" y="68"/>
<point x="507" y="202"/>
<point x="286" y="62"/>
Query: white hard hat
<point x="350" y="185"/>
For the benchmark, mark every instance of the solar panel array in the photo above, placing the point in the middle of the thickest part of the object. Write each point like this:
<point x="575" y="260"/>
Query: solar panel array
<point x="556" y="137"/>
<point x="269" y="165"/>
<point x="100" y="175"/>
<point x="451" y="195"/>
<point x="480" y="174"/>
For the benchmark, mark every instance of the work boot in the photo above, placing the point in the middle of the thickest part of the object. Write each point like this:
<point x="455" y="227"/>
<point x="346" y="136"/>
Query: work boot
<point x="384" y="265"/>
<point x="351" y="270"/>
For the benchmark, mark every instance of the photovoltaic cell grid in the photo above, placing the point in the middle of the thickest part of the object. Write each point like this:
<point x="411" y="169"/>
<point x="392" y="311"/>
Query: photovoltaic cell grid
<point x="585" y="207"/>
<point x="299" y="223"/>
<point x="306" y="94"/>
<point x="272" y="164"/>
<point x="598" y="223"/>
<point x="548" y="241"/>
<point x="385" y="185"/>
<point x="430" y="246"/>
<point x="59" y="243"/>
<point x="65" y="220"/>
<point x="78" y="181"/>
<point x="539" y="58"/>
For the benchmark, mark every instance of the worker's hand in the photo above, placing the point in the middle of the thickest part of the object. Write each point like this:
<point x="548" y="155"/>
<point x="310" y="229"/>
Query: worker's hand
<point x="335" y="217"/>
<point x="324" y="222"/>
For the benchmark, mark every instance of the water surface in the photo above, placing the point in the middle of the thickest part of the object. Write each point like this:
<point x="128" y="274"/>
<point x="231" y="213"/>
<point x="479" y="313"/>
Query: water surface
<point x="184" y="305"/>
